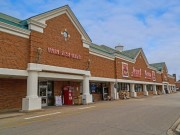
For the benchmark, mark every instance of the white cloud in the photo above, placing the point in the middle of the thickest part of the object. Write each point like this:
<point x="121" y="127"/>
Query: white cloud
<point x="111" y="22"/>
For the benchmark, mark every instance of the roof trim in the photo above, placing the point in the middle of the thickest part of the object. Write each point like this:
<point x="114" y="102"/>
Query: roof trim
<point x="42" y="18"/>
<point x="141" y="51"/>
<point x="4" y="27"/>
<point x="171" y="76"/>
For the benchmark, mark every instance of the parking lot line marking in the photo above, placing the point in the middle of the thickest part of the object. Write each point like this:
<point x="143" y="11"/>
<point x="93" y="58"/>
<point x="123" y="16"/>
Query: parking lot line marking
<point x="38" y="116"/>
<point x="86" y="107"/>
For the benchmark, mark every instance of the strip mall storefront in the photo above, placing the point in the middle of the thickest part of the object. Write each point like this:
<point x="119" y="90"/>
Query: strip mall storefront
<point x="50" y="58"/>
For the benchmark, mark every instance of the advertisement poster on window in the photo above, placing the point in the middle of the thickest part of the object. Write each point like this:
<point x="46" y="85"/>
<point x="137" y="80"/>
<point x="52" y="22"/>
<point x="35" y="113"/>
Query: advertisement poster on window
<point x="125" y="72"/>
<point x="93" y="87"/>
<point x="153" y="76"/>
<point x="58" y="101"/>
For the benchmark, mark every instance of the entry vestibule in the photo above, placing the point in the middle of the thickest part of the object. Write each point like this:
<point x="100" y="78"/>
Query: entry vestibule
<point x="100" y="90"/>
<point x="33" y="102"/>
<point x="46" y="92"/>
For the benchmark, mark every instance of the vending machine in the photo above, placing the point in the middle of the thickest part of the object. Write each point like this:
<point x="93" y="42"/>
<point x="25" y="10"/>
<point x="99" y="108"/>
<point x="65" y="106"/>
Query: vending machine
<point x="67" y="95"/>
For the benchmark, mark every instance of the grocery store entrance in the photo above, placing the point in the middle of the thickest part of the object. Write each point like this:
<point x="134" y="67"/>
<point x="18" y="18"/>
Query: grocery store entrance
<point x="46" y="92"/>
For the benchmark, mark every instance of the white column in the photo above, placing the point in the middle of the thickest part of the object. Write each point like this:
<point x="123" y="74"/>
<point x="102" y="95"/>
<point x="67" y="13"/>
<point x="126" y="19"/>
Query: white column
<point x="174" y="88"/>
<point x="133" y="93"/>
<point x="154" y="90"/>
<point x="168" y="88"/>
<point x="32" y="101"/>
<point x="113" y="90"/>
<point x="32" y="84"/>
<point x="145" y="90"/>
<point x="87" y="97"/>
<point x="163" y="91"/>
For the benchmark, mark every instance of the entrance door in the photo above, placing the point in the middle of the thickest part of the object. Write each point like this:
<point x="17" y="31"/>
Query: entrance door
<point x="105" y="93"/>
<point x="43" y="94"/>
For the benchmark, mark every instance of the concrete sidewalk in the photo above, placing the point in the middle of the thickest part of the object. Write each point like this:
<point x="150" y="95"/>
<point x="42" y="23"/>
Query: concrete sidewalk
<point x="10" y="114"/>
<point x="15" y="113"/>
<point x="50" y="109"/>
<point x="65" y="108"/>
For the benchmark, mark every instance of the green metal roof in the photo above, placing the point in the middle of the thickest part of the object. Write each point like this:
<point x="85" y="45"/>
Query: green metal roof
<point x="13" y="21"/>
<point x="9" y="18"/>
<point x="131" y="53"/>
<point x="110" y="50"/>
<point x="158" y="66"/>
<point x="128" y="53"/>
<point x="100" y="48"/>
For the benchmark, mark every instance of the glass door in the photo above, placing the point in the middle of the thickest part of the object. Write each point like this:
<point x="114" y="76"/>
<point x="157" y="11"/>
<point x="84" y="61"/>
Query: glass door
<point x="105" y="93"/>
<point x="43" y="94"/>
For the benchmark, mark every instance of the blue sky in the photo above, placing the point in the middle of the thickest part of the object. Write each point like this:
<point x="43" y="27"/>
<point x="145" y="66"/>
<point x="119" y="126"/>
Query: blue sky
<point x="153" y="25"/>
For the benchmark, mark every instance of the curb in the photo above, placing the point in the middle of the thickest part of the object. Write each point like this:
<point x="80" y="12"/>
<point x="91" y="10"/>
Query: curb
<point x="178" y="129"/>
<point x="4" y="116"/>
<point x="175" y="129"/>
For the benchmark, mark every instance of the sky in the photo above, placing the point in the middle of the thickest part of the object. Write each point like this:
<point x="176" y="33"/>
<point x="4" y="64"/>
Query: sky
<point x="153" y="25"/>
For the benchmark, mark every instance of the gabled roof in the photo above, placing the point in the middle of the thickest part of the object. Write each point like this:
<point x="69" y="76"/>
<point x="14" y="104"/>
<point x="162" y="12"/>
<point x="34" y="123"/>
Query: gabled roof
<point x="100" y="49"/>
<point x="177" y="81"/>
<point x="110" y="50"/>
<point x="41" y="18"/>
<point x="158" y="66"/>
<point x="131" y="53"/>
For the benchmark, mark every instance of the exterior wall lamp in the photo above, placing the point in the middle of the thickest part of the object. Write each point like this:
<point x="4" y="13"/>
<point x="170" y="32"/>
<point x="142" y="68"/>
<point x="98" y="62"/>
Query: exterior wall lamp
<point x="39" y="52"/>
<point x="88" y="65"/>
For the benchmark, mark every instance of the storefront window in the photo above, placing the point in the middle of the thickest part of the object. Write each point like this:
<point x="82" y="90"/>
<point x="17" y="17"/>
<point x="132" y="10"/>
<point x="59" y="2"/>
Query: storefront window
<point x="97" y="88"/>
<point x="149" y="87"/>
<point x="138" y="88"/>
<point x="124" y="86"/>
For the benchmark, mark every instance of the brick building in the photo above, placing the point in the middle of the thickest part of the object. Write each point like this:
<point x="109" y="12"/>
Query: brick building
<point x="51" y="54"/>
<point x="178" y="85"/>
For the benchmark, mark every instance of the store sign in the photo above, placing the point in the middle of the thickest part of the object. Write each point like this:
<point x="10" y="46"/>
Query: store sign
<point x="148" y="75"/>
<point x="125" y="72"/>
<point x="153" y="76"/>
<point x="63" y="53"/>
<point x="136" y="72"/>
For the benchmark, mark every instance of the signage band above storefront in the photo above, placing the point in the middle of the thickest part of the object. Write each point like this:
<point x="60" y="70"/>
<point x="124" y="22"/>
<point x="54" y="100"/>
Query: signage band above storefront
<point x="63" y="53"/>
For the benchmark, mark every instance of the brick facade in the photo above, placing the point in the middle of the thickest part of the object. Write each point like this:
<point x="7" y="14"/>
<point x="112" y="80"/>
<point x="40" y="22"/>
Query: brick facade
<point x="101" y="67"/>
<point x="139" y="64"/>
<point x="14" y="51"/>
<point x="12" y="91"/>
<point x="53" y="38"/>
